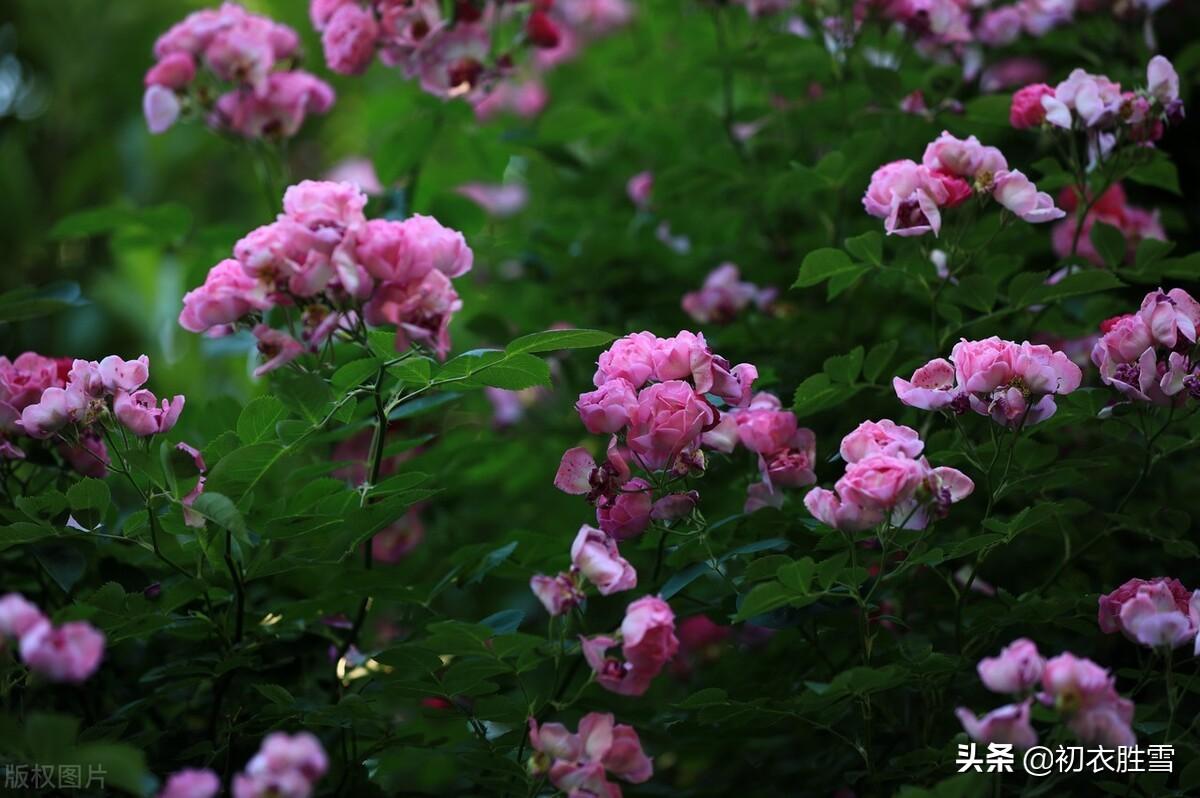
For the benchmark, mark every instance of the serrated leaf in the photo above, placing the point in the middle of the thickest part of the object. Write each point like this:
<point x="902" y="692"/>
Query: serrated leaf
<point x="845" y="368"/>
<point x="220" y="509"/>
<point x="553" y="340"/>
<point x="354" y="374"/>
<point x="867" y="247"/>
<point x="878" y="358"/>
<point x="257" y="421"/>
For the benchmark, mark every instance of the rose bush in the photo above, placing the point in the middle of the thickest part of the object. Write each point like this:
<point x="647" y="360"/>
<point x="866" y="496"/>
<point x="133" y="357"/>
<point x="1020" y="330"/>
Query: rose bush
<point x="595" y="398"/>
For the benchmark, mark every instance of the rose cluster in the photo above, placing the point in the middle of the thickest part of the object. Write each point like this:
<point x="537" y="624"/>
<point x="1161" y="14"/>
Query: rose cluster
<point x="887" y="478"/>
<point x="1149" y="356"/>
<point x="1014" y="384"/>
<point x="70" y="652"/>
<point x="1084" y="694"/>
<point x="910" y="197"/>
<point x="286" y="766"/>
<point x="44" y="398"/>
<point x="251" y="56"/>
<point x="579" y="764"/>
<point x="455" y="54"/>
<point x="1070" y="237"/>
<point x="957" y="27"/>
<point x="322" y="256"/>
<point x="1159" y="613"/>
<point x="1096" y="105"/>
<point x="724" y="295"/>
<point x="786" y="451"/>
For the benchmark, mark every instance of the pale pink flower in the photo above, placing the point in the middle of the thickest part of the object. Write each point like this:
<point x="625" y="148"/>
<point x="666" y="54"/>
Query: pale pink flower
<point x="499" y="200"/>
<point x="609" y="408"/>
<point x="161" y="108"/>
<point x="142" y="414"/>
<point x="907" y="197"/>
<point x="1017" y="668"/>
<point x="227" y="295"/>
<point x="286" y="766"/>
<point x="278" y="110"/>
<point x="1008" y="724"/>
<point x="881" y="437"/>
<point x="965" y="158"/>
<point x="17" y="616"/>
<point x="1086" y="694"/>
<point x="724" y="295"/>
<point x="124" y="375"/>
<point x="1018" y="194"/>
<point x="191" y="783"/>
<point x="1162" y="81"/>
<point x="594" y="553"/>
<point x="67" y="653"/>
<point x="639" y="188"/>
<point x="558" y="594"/>
<point x="668" y="419"/>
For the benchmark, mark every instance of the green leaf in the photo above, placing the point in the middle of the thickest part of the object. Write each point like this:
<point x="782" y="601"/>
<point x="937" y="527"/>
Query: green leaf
<point x="845" y="368"/>
<point x="1084" y="282"/>
<point x="762" y="599"/>
<point x="1110" y="243"/>
<point x="976" y="292"/>
<point x="553" y="340"/>
<point x="867" y="247"/>
<point x="513" y="373"/>
<point x="276" y="694"/>
<point x="354" y="374"/>
<point x="89" y="500"/>
<point x="818" y="393"/>
<point x="504" y="622"/>
<point x="257" y="421"/>
<point x="878" y="358"/>
<point x="28" y="302"/>
<point x="684" y="578"/>
<point x="220" y="509"/>
<point x="242" y="468"/>
<point x="707" y="697"/>
<point x="1158" y="172"/>
<point x="821" y="264"/>
<point x="797" y="576"/>
<point x="305" y="393"/>
<point x="63" y="561"/>
<point x="412" y="370"/>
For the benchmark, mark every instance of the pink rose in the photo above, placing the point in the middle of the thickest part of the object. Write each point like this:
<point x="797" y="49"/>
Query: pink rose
<point x="931" y="387"/>
<point x="669" y="418"/>
<point x="578" y="473"/>
<point x="832" y="510"/>
<point x="881" y="437"/>
<point x="906" y="196"/>
<point x="682" y="356"/>
<point x="56" y="408"/>
<point x="792" y="466"/>
<point x="348" y="39"/>
<point x="124" y="375"/>
<point x="1018" y="194"/>
<point x="628" y="514"/>
<point x="724" y="295"/>
<point x="616" y="746"/>
<point x="766" y="431"/>
<point x="191" y="783"/>
<point x="558" y="594"/>
<point x="999" y="27"/>
<point x="880" y="482"/>
<point x="609" y="408"/>
<point x="67" y="653"/>
<point x="648" y="634"/>
<point x="161" y="108"/>
<point x="23" y="380"/>
<point x="420" y="310"/>
<point x="500" y="200"/>
<point x="17" y="616"/>
<point x="142" y="415"/>
<point x="227" y="295"/>
<point x="174" y="71"/>
<point x="724" y="436"/>
<point x="321" y="204"/>
<point x="966" y="158"/>
<point x="639" y="187"/>
<point x="90" y="458"/>
<point x="1109" y="617"/>
<point x="277" y="347"/>
<point x="554" y="739"/>
<point x="1169" y="315"/>
<point x="611" y="673"/>
<point x="630" y="358"/>
<point x="285" y="764"/>
<point x="431" y="246"/>
<point x="1008" y="724"/>
<point x="1027" y="111"/>
<point x="1091" y="97"/>
<point x="1162" y="81"/>
<point x="594" y="553"/>
<point x="277" y="111"/>
<point x="1018" y="668"/>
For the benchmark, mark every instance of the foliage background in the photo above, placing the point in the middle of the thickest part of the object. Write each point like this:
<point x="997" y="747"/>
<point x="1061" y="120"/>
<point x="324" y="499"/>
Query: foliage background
<point x="653" y="96"/>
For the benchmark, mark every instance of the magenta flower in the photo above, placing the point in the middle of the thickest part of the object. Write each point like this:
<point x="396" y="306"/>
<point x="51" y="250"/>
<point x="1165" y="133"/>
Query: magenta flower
<point x="609" y="408"/>
<point x="1027" y="110"/>
<point x="628" y="514"/>
<point x="348" y="39"/>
